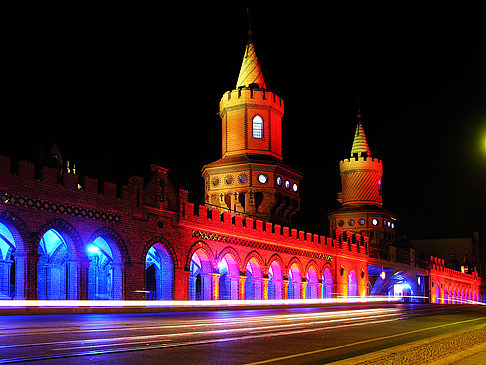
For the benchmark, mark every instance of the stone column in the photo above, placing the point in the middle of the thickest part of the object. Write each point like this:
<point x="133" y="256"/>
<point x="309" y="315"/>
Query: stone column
<point x="242" y="287"/>
<point x="20" y="276"/>
<point x="319" y="290"/>
<point x="286" y="289"/>
<point x="304" y="285"/>
<point x="134" y="288"/>
<point x="181" y="284"/>
<point x="215" y="286"/>
<point x="32" y="261"/>
<point x="5" y="266"/>
<point x="265" y="288"/>
<point x="72" y="279"/>
<point x="118" y="279"/>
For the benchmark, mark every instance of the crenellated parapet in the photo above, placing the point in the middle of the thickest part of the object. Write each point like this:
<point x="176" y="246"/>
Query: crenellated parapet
<point x="361" y="180"/>
<point x="217" y="225"/>
<point x="437" y="267"/>
<point x="23" y="184"/>
<point x="251" y="95"/>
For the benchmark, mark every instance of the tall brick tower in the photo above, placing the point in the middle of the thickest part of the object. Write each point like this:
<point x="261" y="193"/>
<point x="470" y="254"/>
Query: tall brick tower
<point x="251" y="178"/>
<point x="361" y="197"/>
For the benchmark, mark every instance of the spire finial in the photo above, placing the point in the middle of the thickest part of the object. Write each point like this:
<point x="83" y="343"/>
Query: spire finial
<point x="358" y="105"/>
<point x="250" y="25"/>
<point x="360" y="144"/>
<point x="250" y="72"/>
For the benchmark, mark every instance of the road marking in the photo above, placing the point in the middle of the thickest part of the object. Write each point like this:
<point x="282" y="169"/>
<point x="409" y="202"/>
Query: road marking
<point x="277" y="359"/>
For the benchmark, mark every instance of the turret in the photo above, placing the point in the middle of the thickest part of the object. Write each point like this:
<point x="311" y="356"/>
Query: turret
<point x="251" y="178"/>
<point x="361" y="197"/>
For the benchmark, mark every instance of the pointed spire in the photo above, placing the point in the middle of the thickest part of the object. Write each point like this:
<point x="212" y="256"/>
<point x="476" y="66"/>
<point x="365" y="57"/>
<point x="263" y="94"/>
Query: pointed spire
<point x="250" y="72"/>
<point x="360" y="144"/>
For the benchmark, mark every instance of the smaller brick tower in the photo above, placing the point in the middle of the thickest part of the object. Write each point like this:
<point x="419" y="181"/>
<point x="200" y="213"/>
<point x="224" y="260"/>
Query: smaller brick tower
<point x="361" y="197"/>
<point x="251" y="178"/>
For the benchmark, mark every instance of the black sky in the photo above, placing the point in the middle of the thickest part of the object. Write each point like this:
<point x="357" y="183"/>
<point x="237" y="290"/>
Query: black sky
<point x="120" y="88"/>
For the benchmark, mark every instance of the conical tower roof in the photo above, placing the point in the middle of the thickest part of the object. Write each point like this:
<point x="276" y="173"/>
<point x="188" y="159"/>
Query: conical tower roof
<point x="360" y="144"/>
<point x="250" y="72"/>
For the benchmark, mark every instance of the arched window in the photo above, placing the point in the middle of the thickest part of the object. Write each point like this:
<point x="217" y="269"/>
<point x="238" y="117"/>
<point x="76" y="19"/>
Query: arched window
<point x="257" y="127"/>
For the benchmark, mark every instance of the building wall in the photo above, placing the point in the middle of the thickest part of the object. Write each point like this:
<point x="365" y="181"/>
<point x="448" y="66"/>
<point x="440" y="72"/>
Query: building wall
<point x="133" y="218"/>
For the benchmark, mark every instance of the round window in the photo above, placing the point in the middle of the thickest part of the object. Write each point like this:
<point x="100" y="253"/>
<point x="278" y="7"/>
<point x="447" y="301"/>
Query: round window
<point x="295" y="187"/>
<point x="340" y="223"/>
<point x="287" y="184"/>
<point x="262" y="178"/>
<point x="279" y="181"/>
<point x="215" y="181"/>
<point x="229" y="180"/>
<point x="361" y="222"/>
<point x="351" y="222"/>
<point x="243" y="178"/>
<point x="374" y="221"/>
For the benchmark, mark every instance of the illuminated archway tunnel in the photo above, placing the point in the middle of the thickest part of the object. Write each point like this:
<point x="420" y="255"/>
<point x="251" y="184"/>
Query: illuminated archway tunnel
<point x="200" y="276"/>
<point x="403" y="284"/>
<point x="327" y="283"/>
<point x="275" y="281"/>
<point x="105" y="272"/>
<point x="12" y="263"/>
<point x="159" y="273"/>
<point x="254" y="280"/>
<point x="352" y="284"/>
<point x="53" y="273"/>
<point x="312" y="283"/>
<point x="294" y="289"/>
<point x="229" y="277"/>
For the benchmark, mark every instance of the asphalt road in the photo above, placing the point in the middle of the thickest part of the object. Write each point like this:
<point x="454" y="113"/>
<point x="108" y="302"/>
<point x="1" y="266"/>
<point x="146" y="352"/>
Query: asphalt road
<point x="267" y="336"/>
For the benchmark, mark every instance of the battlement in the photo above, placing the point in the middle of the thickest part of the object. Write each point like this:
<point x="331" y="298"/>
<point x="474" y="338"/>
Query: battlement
<point x="438" y="264"/>
<point x="215" y="220"/>
<point x="27" y="180"/>
<point x="361" y="163"/>
<point x="250" y="95"/>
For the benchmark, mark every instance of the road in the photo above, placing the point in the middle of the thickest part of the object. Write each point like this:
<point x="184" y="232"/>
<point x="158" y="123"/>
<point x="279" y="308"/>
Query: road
<point x="289" y="335"/>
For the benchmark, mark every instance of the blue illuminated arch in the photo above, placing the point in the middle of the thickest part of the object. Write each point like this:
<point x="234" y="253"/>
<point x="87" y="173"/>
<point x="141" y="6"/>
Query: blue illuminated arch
<point x="352" y="284"/>
<point x="159" y="273"/>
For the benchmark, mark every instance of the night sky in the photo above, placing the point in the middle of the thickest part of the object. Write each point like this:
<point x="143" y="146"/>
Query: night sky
<point x="120" y="88"/>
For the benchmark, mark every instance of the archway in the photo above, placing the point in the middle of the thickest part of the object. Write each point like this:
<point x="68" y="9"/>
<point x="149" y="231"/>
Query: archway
<point x="229" y="278"/>
<point x="352" y="284"/>
<point x="312" y="287"/>
<point x="295" y="283"/>
<point x="53" y="276"/>
<point x="105" y="272"/>
<point x="159" y="273"/>
<point x="253" y="281"/>
<point x="275" y="281"/>
<point x="201" y="275"/>
<point x="12" y="263"/>
<point x="327" y="283"/>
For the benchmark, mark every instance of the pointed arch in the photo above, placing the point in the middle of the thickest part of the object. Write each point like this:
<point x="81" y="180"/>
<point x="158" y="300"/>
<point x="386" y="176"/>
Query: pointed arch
<point x="200" y="245"/>
<point x="60" y="247"/>
<point x="312" y="264"/>
<point x="121" y="255"/>
<point x="160" y="261"/>
<point x="236" y="257"/>
<point x="275" y="258"/>
<point x="14" y="238"/>
<point x="295" y="261"/>
<point x="163" y="241"/>
<point x="255" y="255"/>
<point x="19" y="230"/>
<point x="68" y="233"/>
<point x="108" y="254"/>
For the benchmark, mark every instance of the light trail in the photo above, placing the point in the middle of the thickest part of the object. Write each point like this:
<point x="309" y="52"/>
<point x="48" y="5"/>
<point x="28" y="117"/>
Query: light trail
<point x="187" y="303"/>
<point x="325" y="321"/>
<point x="324" y="317"/>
